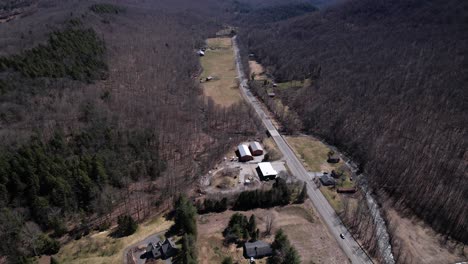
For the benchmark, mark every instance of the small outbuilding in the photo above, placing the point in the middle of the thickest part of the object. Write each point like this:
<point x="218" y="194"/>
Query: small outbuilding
<point x="266" y="172"/>
<point x="244" y="153"/>
<point x="255" y="148"/>
<point x="334" y="158"/>
<point x="257" y="249"/>
<point x="271" y="94"/>
<point x="327" y="180"/>
<point x="346" y="190"/>
<point x="201" y="53"/>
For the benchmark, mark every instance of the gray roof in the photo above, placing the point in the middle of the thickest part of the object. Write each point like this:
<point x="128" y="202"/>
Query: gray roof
<point x="255" y="146"/>
<point x="326" y="180"/>
<point x="244" y="150"/>
<point x="257" y="249"/>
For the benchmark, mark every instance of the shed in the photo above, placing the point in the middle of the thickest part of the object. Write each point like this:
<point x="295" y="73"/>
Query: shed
<point x="271" y="94"/>
<point x="335" y="158"/>
<point x="327" y="180"/>
<point x="201" y="53"/>
<point x="255" y="148"/>
<point x="266" y="172"/>
<point x="244" y="153"/>
<point x="346" y="190"/>
<point x="257" y="249"/>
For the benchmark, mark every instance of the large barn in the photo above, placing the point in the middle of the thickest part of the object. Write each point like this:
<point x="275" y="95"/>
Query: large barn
<point x="244" y="153"/>
<point x="266" y="172"/>
<point x="255" y="148"/>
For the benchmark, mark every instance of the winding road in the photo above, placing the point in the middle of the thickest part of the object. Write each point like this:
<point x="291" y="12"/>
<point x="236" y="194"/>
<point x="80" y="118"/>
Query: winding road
<point x="349" y="246"/>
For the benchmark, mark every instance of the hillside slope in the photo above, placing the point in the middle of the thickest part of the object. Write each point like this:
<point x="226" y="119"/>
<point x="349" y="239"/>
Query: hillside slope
<point x="389" y="87"/>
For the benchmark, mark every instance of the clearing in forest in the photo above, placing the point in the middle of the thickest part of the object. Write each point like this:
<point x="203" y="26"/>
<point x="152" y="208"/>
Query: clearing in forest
<point x="219" y="64"/>
<point x="314" y="154"/>
<point x="101" y="248"/>
<point x="302" y="226"/>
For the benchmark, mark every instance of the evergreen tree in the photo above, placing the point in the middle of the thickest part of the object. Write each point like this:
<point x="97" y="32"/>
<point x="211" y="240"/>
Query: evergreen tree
<point x="126" y="226"/>
<point x="227" y="260"/>
<point x="302" y="195"/>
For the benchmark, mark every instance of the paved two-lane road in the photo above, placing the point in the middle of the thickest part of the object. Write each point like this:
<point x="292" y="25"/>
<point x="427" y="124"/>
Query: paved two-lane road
<point x="350" y="247"/>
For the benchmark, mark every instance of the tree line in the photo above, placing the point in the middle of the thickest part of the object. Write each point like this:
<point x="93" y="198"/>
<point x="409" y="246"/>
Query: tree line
<point x="282" y="193"/>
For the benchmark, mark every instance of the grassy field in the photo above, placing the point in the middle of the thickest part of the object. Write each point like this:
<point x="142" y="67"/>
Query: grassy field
<point x="313" y="155"/>
<point x="272" y="149"/>
<point x="218" y="62"/>
<point x="257" y="70"/>
<point x="100" y="248"/>
<point x="304" y="229"/>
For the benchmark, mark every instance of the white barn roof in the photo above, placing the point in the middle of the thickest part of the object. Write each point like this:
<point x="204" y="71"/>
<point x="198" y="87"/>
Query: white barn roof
<point x="244" y="150"/>
<point x="255" y="146"/>
<point x="267" y="169"/>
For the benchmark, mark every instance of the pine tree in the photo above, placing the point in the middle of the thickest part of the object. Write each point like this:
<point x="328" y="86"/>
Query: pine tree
<point x="302" y="195"/>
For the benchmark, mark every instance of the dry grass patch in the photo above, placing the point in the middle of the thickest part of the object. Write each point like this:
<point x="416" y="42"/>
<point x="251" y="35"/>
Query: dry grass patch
<point x="100" y="248"/>
<point x="272" y="149"/>
<point x="419" y="243"/>
<point x="313" y="153"/>
<point x="219" y="63"/>
<point x="257" y="69"/>
<point x="305" y="231"/>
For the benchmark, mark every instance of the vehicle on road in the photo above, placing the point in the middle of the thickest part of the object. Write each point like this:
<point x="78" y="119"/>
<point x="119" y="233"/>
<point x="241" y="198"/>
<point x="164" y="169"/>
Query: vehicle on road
<point x="342" y="236"/>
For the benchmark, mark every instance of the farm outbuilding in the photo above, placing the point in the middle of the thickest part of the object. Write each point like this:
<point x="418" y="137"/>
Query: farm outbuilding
<point x="266" y="172"/>
<point x="335" y="158"/>
<point x="255" y="148"/>
<point x="244" y="153"/>
<point x="257" y="249"/>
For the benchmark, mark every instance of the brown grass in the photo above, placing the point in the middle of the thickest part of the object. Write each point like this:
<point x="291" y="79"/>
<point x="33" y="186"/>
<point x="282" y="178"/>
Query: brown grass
<point x="272" y="149"/>
<point x="258" y="70"/>
<point x="421" y="243"/>
<point x="305" y="231"/>
<point x="100" y="248"/>
<point x="219" y="63"/>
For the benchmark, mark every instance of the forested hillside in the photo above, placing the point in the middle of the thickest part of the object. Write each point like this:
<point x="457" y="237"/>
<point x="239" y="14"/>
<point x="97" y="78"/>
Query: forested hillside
<point x="101" y="114"/>
<point x="388" y="85"/>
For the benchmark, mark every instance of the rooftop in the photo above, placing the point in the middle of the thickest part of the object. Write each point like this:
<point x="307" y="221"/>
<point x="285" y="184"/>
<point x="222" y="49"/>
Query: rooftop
<point x="267" y="169"/>
<point x="255" y="146"/>
<point x="244" y="150"/>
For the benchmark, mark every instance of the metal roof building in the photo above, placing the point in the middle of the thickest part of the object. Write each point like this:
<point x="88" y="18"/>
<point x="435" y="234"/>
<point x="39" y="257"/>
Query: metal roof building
<point x="256" y="148"/>
<point x="244" y="153"/>
<point x="266" y="171"/>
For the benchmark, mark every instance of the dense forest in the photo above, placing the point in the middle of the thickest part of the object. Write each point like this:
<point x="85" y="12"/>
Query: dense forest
<point x="386" y="82"/>
<point x="101" y="117"/>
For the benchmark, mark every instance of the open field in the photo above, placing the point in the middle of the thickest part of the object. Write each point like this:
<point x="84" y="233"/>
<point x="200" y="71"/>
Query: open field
<point x="304" y="229"/>
<point x="218" y="63"/>
<point x="100" y="248"/>
<point x="421" y="244"/>
<point x="257" y="69"/>
<point x="272" y="149"/>
<point x="313" y="153"/>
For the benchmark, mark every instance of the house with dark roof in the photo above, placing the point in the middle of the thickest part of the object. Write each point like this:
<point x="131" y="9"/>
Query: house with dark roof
<point x="257" y="249"/>
<point x="327" y="180"/>
<point x="162" y="250"/>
